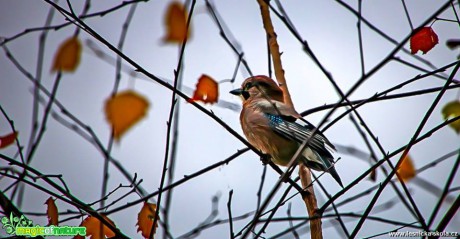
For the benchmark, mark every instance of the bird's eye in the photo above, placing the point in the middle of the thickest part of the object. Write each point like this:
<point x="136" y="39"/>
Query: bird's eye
<point x="248" y="86"/>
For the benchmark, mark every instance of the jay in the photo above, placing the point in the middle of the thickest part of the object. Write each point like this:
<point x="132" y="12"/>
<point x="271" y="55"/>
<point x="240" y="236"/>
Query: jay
<point x="278" y="130"/>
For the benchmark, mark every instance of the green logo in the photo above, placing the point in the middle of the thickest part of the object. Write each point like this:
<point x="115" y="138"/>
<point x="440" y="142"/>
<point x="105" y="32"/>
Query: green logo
<point x="21" y="226"/>
<point x="10" y="224"/>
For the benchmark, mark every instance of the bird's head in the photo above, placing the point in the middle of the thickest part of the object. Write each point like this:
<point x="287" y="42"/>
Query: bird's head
<point x="257" y="87"/>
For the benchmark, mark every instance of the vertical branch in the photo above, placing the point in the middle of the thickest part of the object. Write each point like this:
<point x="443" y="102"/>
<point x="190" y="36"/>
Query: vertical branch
<point x="291" y="225"/>
<point x="342" y="229"/>
<point x="360" y="38"/>
<point x="174" y="147"/>
<point x="269" y="59"/>
<point x="42" y="129"/>
<point x="230" y="218"/>
<point x="38" y="77"/>
<point x="407" y="15"/>
<point x="259" y="192"/>
<point x="310" y="201"/>
<point x="173" y="157"/>
<point x="274" y="50"/>
<point x="116" y="84"/>
<point x="304" y="173"/>
<point x="170" y="122"/>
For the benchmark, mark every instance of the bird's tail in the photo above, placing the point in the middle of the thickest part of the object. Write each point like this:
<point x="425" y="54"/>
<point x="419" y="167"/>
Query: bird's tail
<point x="320" y="163"/>
<point x="335" y="175"/>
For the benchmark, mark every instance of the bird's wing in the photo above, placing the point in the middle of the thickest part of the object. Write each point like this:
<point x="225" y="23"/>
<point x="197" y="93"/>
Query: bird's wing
<point x="288" y="123"/>
<point x="300" y="130"/>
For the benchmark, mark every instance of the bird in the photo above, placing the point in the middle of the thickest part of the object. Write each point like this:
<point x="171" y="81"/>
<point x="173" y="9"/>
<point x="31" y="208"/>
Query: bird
<point x="277" y="130"/>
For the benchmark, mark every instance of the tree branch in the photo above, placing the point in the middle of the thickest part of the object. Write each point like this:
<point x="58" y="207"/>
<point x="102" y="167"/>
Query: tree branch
<point x="304" y="173"/>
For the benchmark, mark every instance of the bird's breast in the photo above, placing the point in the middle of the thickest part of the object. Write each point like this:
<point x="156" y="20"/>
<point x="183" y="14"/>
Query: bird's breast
<point x="259" y="134"/>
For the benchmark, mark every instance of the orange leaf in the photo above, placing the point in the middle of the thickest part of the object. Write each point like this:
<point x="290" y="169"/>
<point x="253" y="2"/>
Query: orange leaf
<point x="52" y="212"/>
<point x="452" y="110"/>
<point x="93" y="228"/>
<point x="176" y="23"/>
<point x="124" y="110"/>
<point x="145" y="219"/>
<point x="207" y="90"/>
<point x="406" y="169"/>
<point x="424" y="40"/>
<point x="8" y="139"/>
<point x="68" y="55"/>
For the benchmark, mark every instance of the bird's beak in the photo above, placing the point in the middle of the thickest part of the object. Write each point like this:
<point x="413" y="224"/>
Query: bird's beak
<point x="236" y="91"/>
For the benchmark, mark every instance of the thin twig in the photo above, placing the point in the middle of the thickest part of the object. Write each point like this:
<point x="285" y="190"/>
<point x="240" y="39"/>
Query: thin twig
<point x="445" y="191"/>
<point x="229" y="209"/>
<point x="381" y="161"/>
<point x="407" y="15"/>
<point x="404" y="154"/>
<point x="69" y="198"/>
<point x="174" y="100"/>
<point x="121" y="41"/>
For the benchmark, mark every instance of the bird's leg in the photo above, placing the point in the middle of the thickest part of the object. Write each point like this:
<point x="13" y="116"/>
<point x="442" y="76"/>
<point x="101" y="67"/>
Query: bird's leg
<point x="265" y="158"/>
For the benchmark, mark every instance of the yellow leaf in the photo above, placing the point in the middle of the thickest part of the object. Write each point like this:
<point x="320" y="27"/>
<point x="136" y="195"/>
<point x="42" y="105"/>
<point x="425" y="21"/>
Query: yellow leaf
<point x="176" y="23"/>
<point x="452" y="110"/>
<point x="93" y="228"/>
<point x="145" y="219"/>
<point x="68" y="55"/>
<point x="52" y="212"/>
<point x="406" y="169"/>
<point x="124" y="110"/>
<point x="207" y="90"/>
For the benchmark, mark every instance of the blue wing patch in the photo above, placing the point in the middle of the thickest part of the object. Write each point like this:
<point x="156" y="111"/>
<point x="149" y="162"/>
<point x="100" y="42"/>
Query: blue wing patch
<point x="298" y="130"/>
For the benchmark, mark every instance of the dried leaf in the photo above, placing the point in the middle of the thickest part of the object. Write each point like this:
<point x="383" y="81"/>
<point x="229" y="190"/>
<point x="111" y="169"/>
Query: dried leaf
<point x="406" y="169"/>
<point x="424" y="40"/>
<point x="68" y="55"/>
<point x="52" y="212"/>
<point x="124" y="110"/>
<point x="145" y="219"/>
<point x="176" y="23"/>
<point x="93" y="228"/>
<point x="207" y="90"/>
<point x="452" y="110"/>
<point x="6" y="140"/>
